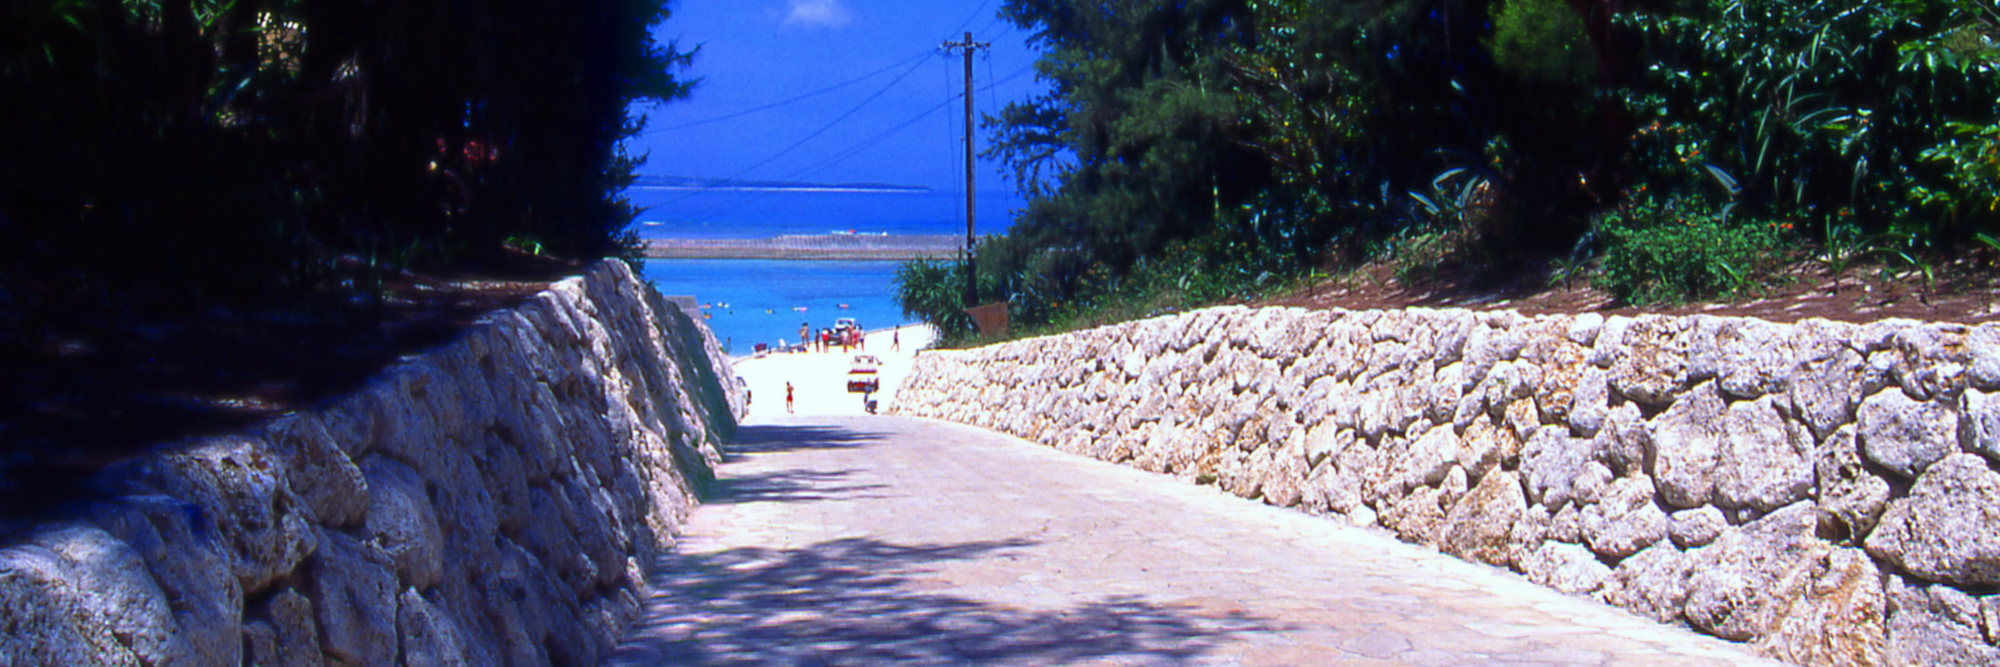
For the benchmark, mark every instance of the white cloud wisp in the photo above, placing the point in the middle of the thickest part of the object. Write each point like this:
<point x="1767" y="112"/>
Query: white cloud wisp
<point x="828" y="14"/>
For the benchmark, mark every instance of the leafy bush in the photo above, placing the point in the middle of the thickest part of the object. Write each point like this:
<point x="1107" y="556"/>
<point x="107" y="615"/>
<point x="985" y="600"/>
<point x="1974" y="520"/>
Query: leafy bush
<point x="934" y="291"/>
<point x="1816" y="107"/>
<point x="1543" y="41"/>
<point x="1660" y="253"/>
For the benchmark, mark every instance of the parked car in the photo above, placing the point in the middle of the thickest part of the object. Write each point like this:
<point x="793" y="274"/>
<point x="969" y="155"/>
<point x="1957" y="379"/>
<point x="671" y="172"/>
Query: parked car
<point x="864" y="375"/>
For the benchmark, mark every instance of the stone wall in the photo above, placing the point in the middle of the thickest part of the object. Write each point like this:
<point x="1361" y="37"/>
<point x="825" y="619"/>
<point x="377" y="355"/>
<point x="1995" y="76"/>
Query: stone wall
<point x="495" y="501"/>
<point x="1823" y="491"/>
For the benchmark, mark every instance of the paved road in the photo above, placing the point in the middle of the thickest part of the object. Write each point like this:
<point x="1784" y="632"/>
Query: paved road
<point x="872" y="540"/>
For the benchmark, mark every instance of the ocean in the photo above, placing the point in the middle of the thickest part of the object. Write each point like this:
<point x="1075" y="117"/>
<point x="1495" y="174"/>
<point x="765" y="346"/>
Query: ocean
<point x="722" y="214"/>
<point x="750" y="301"/>
<point x="758" y="301"/>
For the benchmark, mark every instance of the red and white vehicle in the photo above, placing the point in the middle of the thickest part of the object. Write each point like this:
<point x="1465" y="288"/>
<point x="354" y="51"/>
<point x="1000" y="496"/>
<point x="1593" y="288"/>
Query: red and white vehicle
<point x="864" y="376"/>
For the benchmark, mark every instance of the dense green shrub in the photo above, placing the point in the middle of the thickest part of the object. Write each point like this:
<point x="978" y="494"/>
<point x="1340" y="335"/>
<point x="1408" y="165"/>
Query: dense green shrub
<point x="1810" y="107"/>
<point x="1291" y="130"/>
<point x="934" y="291"/>
<point x="1671" y="251"/>
<point x="1543" y="41"/>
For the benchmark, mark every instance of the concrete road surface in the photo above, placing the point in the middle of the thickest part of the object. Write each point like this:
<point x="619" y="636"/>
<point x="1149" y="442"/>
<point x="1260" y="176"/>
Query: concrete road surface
<point x="882" y="540"/>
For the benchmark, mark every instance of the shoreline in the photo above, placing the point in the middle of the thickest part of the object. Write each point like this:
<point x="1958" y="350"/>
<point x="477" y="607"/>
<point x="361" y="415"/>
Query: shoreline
<point x="819" y="379"/>
<point x="810" y="247"/>
<point x="870" y="335"/>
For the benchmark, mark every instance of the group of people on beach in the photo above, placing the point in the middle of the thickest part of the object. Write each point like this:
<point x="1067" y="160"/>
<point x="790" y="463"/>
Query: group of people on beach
<point x="846" y="336"/>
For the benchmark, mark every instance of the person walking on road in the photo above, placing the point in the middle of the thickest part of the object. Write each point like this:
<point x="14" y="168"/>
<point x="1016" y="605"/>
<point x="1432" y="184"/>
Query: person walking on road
<point x="788" y="398"/>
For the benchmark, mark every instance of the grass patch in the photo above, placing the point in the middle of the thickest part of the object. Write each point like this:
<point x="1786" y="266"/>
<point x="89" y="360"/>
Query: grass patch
<point x="1668" y="252"/>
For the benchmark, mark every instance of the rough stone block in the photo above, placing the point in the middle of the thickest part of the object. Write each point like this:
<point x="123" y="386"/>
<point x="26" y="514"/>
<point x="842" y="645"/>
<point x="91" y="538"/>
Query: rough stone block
<point x="1848" y="490"/>
<point x="246" y="492"/>
<point x="402" y="523"/>
<point x="1931" y="360"/>
<point x="1826" y="384"/>
<point x="1982" y="347"/>
<point x="1686" y="446"/>
<point x="1480" y="526"/>
<point x="283" y="633"/>
<point x="1625" y="521"/>
<point x="1829" y="611"/>
<point x="1697" y="527"/>
<point x="188" y="560"/>
<point x="1948" y="529"/>
<point x="324" y="477"/>
<point x="1766" y="461"/>
<point x="1653" y="582"/>
<point x="1651" y="366"/>
<point x="1905" y="435"/>
<point x="1979" y="423"/>
<point x="1936" y="625"/>
<point x="429" y="636"/>
<point x="353" y="588"/>
<point x="1566" y="567"/>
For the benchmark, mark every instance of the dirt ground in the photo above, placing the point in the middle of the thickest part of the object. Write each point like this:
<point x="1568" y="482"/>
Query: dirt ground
<point x="1963" y="291"/>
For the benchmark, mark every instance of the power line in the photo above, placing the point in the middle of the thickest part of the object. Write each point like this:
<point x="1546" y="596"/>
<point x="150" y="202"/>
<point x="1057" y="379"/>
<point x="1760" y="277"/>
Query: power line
<point x="974" y="17"/>
<point x="989" y="77"/>
<point x="797" y="99"/>
<point x="986" y="32"/>
<point x="815" y="133"/>
<point x="884" y="135"/>
<point x="921" y="59"/>
<point x="741" y="197"/>
<point x="951" y="137"/>
<point x="873" y="141"/>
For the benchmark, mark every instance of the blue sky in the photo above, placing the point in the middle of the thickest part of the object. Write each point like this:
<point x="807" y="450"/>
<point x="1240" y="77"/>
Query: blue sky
<point x="758" y="52"/>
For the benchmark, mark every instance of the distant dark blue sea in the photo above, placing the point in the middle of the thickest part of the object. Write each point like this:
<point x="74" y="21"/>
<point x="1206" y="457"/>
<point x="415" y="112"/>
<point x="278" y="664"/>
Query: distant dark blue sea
<point x="719" y="214"/>
<point x="753" y="301"/>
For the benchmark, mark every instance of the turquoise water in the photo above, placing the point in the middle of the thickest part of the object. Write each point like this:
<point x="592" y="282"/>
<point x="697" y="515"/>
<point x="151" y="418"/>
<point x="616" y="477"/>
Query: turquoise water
<point x="762" y="294"/>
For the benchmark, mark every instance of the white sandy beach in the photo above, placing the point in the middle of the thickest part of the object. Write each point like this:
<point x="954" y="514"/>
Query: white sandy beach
<point x="819" y="379"/>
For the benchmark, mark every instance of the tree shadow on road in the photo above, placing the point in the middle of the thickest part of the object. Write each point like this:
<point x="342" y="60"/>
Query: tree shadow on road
<point x="774" y="438"/>
<point x="789" y="486"/>
<point x="856" y="602"/>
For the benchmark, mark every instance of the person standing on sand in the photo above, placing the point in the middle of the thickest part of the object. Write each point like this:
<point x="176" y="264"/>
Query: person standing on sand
<point x="788" y="398"/>
<point x="802" y="332"/>
<point x="896" y="340"/>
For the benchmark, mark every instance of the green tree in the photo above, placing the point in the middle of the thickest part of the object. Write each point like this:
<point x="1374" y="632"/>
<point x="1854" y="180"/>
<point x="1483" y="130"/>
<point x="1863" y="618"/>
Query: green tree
<point x="201" y="151"/>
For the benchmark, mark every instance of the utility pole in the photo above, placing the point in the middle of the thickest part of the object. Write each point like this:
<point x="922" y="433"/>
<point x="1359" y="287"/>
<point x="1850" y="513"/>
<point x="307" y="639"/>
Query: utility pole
<point x="971" y="281"/>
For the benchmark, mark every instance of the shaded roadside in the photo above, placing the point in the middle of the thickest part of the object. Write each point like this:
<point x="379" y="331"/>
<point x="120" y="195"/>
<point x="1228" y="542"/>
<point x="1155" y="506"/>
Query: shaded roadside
<point x="855" y="602"/>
